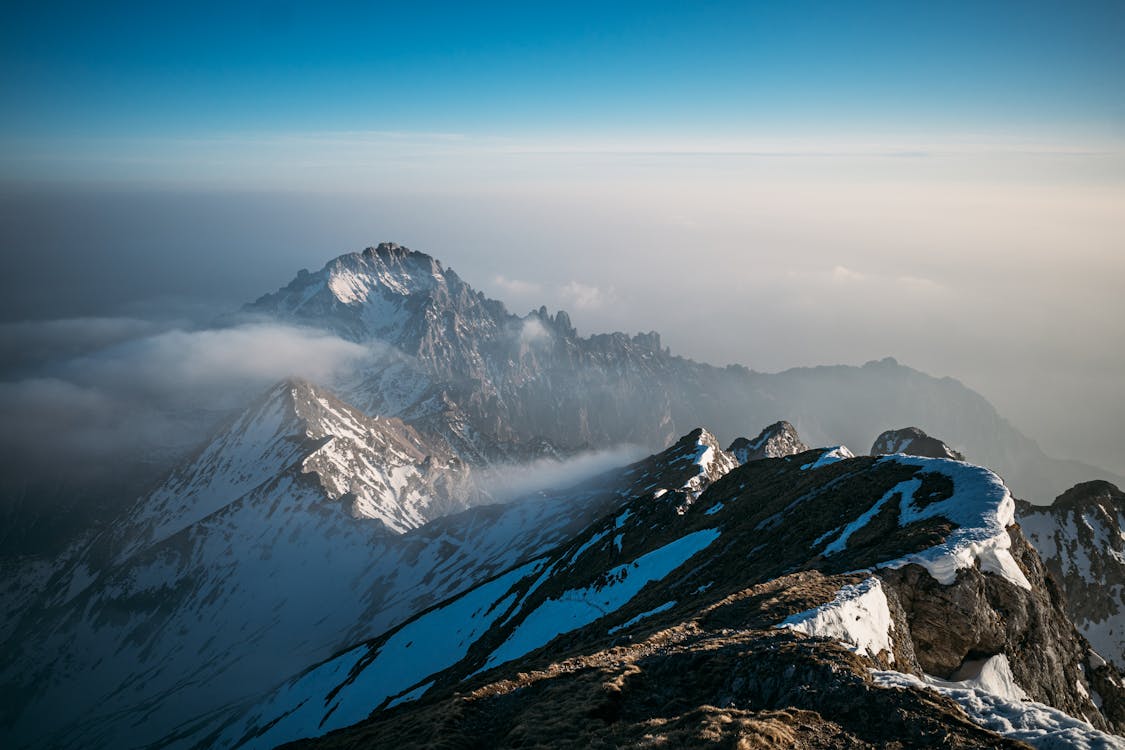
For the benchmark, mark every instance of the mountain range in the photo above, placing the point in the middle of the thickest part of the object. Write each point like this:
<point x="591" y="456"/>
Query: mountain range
<point x="335" y="563"/>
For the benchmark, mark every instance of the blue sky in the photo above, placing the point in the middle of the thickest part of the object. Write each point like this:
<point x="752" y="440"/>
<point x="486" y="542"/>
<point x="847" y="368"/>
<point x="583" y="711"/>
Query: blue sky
<point x="824" y="178"/>
<point x="576" y="70"/>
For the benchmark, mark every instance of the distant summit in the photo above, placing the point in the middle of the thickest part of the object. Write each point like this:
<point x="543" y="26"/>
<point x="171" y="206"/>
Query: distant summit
<point x="490" y="385"/>
<point x="1081" y="538"/>
<point x="777" y="440"/>
<point x="913" y="442"/>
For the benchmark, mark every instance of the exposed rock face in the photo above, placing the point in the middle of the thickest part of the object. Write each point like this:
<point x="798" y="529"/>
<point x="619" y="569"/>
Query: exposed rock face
<point x="913" y="442"/>
<point x="1081" y="538"/>
<point x="981" y="616"/>
<point x="777" y="440"/>
<point x="734" y="617"/>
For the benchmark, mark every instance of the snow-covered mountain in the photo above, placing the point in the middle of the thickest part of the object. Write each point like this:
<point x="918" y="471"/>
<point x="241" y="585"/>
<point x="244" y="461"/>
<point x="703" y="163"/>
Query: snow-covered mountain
<point x="1081" y="538"/>
<point x="261" y="556"/>
<point x="460" y="368"/>
<point x="874" y="598"/>
<point x="325" y="556"/>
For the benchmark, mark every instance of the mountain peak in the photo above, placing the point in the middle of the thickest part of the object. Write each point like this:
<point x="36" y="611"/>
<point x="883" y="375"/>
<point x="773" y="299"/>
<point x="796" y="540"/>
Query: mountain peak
<point x="777" y="440"/>
<point x="913" y="442"/>
<point x="1087" y="494"/>
<point x="392" y="249"/>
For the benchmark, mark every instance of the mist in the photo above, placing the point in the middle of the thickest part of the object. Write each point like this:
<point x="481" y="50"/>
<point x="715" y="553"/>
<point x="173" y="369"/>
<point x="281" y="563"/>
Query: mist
<point x="111" y="404"/>
<point x="998" y="267"/>
<point x="509" y="482"/>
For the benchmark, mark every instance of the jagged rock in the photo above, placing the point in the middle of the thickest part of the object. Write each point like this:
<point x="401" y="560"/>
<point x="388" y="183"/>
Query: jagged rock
<point x="912" y="442"/>
<point x="777" y="440"/>
<point x="1081" y="538"/>
<point x="981" y="615"/>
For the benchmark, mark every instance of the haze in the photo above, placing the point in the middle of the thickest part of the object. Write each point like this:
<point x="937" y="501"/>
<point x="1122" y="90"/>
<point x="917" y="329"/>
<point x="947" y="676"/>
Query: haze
<point x="771" y="187"/>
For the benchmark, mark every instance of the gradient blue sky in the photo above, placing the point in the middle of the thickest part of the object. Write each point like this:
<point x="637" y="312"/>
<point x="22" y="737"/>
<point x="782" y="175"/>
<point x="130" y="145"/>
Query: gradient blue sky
<point x="577" y="70"/>
<point x="775" y="184"/>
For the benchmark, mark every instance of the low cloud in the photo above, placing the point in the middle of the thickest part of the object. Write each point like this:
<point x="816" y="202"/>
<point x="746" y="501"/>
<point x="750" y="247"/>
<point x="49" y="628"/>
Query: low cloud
<point x="585" y="296"/>
<point x="844" y="274"/>
<point x="506" y="483"/>
<point x="29" y="344"/>
<point x="210" y="363"/>
<point x="533" y="330"/>
<point x="110" y="417"/>
<point x="517" y="287"/>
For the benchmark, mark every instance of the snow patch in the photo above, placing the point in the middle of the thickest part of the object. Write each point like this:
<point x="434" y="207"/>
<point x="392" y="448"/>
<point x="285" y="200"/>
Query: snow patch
<point x="829" y="457"/>
<point x="902" y="490"/>
<point x="982" y="508"/>
<point x="858" y="617"/>
<point x="366" y="676"/>
<point x="634" y="620"/>
<point x="579" y="607"/>
<point x="1038" y="725"/>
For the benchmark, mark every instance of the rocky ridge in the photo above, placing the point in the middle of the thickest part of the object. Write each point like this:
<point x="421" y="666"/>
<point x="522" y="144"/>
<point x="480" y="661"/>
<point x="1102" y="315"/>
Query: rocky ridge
<point x="841" y="577"/>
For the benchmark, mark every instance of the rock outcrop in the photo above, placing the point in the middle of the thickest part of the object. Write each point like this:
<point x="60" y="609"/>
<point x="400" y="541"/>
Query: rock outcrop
<point x="777" y="440"/>
<point x="912" y="441"/>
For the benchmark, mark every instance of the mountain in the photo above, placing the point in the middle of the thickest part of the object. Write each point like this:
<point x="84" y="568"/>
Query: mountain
<point x="777" y="440"/>
<point x="271" y="549"/>
<point x="1081" y="538"/>
<point x="912" y="441"/>
<point x="334" y="550"/>
<point x="805" y="601"/>
<point x="495" y="386"/>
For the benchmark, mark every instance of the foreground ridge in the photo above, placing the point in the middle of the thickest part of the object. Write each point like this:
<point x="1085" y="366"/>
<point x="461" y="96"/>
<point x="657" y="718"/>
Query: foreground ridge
<point x="776" y="605"/>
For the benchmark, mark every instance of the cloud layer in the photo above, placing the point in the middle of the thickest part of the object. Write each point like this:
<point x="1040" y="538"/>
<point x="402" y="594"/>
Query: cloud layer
<point x="91" y="415"/>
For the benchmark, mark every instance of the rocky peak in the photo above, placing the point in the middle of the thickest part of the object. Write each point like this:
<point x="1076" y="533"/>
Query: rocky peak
<point x="1096" y="495"/>
<point x="912" y="442"/>
<point x="393" y="249"/>
<point x="777" y="440"/>
<point x="1081" y="539"/>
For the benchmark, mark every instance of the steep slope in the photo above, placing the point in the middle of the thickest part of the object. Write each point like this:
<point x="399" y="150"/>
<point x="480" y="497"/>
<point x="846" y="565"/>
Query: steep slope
<point x="1081" y="538"/>
<point x="260" y="552"/>
<point x="462" y="369"/>
<point x="663" y="620"/>
<point x="677" y="476"/>
<point x="380" y="468"/>
<point x="210" y="611"/>
<point x="913" y="442"/>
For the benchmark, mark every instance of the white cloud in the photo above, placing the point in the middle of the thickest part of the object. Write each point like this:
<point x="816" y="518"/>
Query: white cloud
<point x="519" y="480"/>
<point x="585" y="296"/>
<point x="105" y="413"/>
<point x="250" y="356"/>
<point x="517" y="286"/>
<point x="845" y="275"/>
<point x="533" y="330"/>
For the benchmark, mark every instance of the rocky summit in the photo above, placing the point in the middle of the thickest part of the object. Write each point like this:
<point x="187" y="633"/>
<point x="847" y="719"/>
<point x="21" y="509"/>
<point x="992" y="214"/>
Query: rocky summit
<point x="914" y="442"/>
<point x="777" y="440"/>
